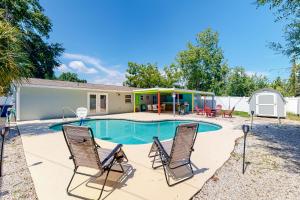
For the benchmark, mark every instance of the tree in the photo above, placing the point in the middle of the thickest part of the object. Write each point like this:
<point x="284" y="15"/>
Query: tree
<point x="149" y="76"/>
<point x="258" y="82"/>
<point x="12" y="59"/>
<point x="171" y="77"/>
<point x="298" y="82"/>
<point x="142" y="75"/>
<point x="202" y="64"/>
<point x="27" y="16"/>
<point x="280" y="85"/>
<point x="69" y="76"/>
<point x="239" y="83"/>
<point x="293" y="81"/>
<point x="289" y="11"/>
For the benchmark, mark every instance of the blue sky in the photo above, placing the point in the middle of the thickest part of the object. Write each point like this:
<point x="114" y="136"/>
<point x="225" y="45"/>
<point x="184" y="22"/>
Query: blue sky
<point x="100" y="37"/>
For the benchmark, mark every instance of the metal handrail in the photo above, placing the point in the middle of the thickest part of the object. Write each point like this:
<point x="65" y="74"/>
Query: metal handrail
<point x="67" y="108"/>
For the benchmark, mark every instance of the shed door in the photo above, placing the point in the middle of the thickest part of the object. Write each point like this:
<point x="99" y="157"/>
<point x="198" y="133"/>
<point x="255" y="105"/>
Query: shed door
<point x="266" y="104"/>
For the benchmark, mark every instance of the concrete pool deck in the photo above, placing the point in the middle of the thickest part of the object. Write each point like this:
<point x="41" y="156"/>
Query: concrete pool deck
<point x="47" y="158"/>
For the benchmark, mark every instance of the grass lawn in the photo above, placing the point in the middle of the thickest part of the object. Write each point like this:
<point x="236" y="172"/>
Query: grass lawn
<point x="241" y="113"/>
<point x="293" y="116"/>
<point x="290" y="116"/>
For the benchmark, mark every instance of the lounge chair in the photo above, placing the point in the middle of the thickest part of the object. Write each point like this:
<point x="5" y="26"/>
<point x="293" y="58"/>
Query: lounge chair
<point x="218" y="110"/>
<point x="85" y="152"/>
<point x="177" y="152"/>
<point x="228" y="112"/>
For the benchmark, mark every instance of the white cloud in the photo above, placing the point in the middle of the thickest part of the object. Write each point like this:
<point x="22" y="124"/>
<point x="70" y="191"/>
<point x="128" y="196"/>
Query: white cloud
<point x="63" y="68"/>
<point x="92" y="61"/>
<point x="110" y="80"/>
<point x="80" y="67"/>
<point x="80" y="62"/>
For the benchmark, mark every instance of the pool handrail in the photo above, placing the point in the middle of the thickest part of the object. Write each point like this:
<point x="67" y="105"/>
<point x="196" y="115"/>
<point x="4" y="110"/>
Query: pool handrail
<point x="67" y="108"/>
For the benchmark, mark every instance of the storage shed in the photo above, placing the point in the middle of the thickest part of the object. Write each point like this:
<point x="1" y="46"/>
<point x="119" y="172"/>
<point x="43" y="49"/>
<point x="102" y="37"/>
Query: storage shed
<point x="268" y="103"/>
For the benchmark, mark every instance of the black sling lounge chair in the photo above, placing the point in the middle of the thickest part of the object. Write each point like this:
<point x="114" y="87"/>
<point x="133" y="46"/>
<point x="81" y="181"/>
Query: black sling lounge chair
<point x="86" y="153"/>
<point x="177" y="152"/>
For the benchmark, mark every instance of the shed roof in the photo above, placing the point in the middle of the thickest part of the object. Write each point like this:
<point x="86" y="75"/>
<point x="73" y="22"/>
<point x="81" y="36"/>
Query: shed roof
<point x="35" y="82"/>
<point x="267" y="90"/>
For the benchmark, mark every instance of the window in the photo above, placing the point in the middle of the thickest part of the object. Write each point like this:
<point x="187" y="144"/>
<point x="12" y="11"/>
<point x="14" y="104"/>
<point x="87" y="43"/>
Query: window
<point x="128" y="98"/>
<point x="142" y="98"/>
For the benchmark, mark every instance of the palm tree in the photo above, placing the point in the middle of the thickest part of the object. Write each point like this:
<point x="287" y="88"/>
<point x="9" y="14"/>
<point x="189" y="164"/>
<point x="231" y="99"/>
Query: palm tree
<point x="12" y="60"/>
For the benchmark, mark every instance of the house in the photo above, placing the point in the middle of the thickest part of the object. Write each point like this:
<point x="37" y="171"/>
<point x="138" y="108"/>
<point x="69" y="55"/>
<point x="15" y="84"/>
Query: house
<point x="37" y="99"/>
<point x="45" y="99"/>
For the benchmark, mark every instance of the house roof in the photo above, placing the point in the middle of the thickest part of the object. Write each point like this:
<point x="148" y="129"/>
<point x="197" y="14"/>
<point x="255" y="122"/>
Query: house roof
<point x="267" y="90"/>
<point x="171" y="90"/>
<point x="35" y="82"/>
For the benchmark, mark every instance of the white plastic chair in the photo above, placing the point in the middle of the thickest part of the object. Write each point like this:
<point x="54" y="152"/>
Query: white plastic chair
<point x="81" y="112"/>
<point x="154" y="107"/>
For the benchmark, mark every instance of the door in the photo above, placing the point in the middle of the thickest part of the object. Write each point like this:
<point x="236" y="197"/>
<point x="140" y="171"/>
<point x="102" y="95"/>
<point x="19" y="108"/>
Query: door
<point x="266" y="104"/>
<point x="103" y="103"/>
<point x="97" y="103"/>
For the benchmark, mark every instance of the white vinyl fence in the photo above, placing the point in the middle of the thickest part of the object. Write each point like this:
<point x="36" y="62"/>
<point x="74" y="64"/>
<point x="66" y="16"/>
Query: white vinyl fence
<point x="241" y="103"/>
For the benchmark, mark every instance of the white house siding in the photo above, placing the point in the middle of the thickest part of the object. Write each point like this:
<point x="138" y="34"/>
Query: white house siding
<point x="116" y="102"/>
<point x="46" y="103"/>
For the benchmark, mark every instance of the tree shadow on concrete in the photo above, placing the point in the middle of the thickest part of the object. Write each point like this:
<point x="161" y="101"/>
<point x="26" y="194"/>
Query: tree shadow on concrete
<point x="36" y="129"/>
<point x="284" y="141"/>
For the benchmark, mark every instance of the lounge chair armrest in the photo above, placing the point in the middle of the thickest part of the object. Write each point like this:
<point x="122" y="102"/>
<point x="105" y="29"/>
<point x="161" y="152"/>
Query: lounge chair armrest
<point x="160" y="147"/>
<point x="112" y="153"/>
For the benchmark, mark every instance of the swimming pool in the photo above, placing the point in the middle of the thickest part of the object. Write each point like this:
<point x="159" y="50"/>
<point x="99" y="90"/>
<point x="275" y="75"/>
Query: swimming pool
<point x="136" y="132"/>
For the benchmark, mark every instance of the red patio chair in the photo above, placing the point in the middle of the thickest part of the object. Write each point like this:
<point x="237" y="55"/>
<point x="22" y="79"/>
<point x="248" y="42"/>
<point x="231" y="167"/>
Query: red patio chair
<point x="209" y="112"/>
<point x="199" y="111"/>
<point x="228" y="112"/>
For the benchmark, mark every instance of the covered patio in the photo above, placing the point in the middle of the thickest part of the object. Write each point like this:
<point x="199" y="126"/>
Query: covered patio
<point x="170" y="99"/>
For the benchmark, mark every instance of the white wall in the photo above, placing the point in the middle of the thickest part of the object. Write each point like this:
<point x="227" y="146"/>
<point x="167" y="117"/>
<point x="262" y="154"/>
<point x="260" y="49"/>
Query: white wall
<point x="241" y="103"/>
<point x="46" y="103"/>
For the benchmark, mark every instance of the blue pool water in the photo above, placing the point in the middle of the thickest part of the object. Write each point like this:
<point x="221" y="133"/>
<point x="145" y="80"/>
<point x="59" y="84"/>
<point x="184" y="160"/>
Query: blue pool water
<point x="135" y="132"/>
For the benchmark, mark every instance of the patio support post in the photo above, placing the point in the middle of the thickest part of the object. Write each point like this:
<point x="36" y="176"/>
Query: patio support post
<point x="193" y="102"/>
<point x="158" y="102"/>
<point x="174" y="109"/>
<point x="133" y="102"/>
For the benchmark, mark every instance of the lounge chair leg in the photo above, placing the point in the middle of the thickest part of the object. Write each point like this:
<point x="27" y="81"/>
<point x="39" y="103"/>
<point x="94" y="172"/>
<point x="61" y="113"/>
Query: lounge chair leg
<point x="166" y="176"/>
<point x="75" y="170"/>
<point x="154" y="159"/>
<point x="104" y="183"/>
<point x="151" y="150"/>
